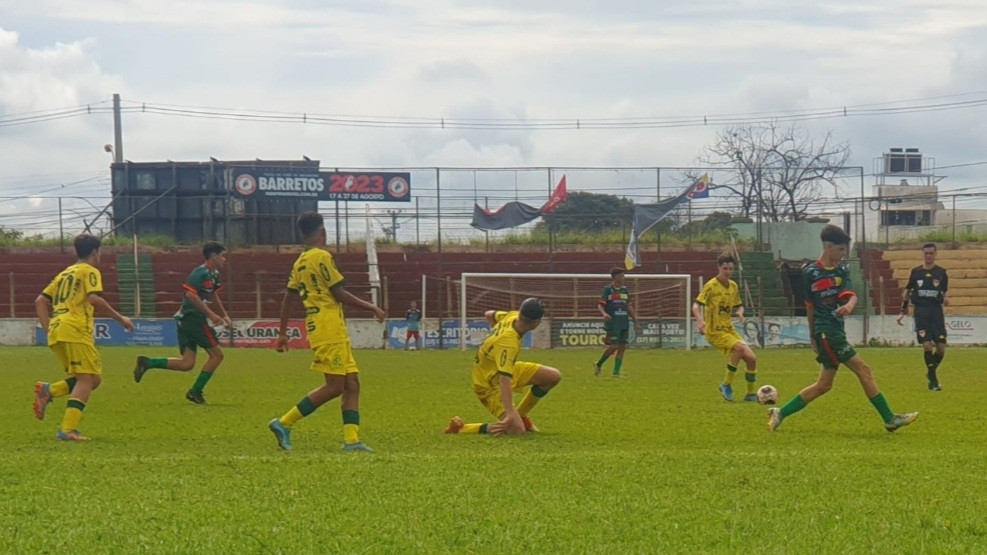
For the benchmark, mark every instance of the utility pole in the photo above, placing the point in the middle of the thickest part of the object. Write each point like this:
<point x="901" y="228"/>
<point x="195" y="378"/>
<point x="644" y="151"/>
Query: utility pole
<point x="394" y="225"/>
<point x="117" y="130"/>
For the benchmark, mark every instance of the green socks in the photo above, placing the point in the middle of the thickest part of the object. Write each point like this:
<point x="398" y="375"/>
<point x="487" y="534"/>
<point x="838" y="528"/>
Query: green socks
<point x="794" y="405"/>
<point x="617" y="362"/>
<point x="201" y="381"/>
<point x="157" y="362"/>
<point x="881" y="404"/>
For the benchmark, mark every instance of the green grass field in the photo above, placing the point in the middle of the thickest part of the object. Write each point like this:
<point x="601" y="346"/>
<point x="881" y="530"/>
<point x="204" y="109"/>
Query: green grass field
<point x="655" y="463"/>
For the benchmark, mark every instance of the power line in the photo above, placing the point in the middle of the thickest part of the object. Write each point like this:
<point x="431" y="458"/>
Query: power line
<point x="894" y="107"/>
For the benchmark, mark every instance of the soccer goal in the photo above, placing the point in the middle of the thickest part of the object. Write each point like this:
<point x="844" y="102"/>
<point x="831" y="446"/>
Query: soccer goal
<point x="662" y="303"/>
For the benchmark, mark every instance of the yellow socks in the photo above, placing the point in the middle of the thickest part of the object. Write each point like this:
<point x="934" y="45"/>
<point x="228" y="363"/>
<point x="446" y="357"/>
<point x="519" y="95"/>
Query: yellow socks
<point x="62" y="388"/>
<point x="304" y="408"/>
<point x="351" y="426"/>
<point x="751" y="377"/>
<point x="73" y="415"/>
<point x="530" y="399"/>
<point x="731" y="372"/>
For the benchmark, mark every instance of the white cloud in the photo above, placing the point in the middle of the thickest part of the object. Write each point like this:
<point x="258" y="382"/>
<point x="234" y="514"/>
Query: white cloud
<point x="480" y="59"/>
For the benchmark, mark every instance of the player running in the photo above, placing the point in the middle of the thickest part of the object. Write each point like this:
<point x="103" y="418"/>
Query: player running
<point x="829" y="297"/>
<point x="66" y="309"/>
<point x="201" y="290"/>
<point x="721" y="298"/>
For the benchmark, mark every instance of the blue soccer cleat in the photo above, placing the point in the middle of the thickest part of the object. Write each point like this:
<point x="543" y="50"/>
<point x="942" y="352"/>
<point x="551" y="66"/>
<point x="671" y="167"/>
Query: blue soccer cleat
<point x="74" y="435"/>
<point x="726" y="391"/>
<point x="42" y="396"/>
<point x="358" y="446"/>
<point x="750" y="397"/>
<point x="282" y="433"/>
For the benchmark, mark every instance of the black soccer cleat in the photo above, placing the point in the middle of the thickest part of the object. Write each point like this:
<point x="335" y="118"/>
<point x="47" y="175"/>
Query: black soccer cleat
<point x="140" y="368"/>
<point x="196" y="397"/>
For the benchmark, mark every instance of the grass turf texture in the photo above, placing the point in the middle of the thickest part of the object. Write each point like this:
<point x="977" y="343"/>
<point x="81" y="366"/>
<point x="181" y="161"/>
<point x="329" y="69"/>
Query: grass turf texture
<point x="656" y="462"/>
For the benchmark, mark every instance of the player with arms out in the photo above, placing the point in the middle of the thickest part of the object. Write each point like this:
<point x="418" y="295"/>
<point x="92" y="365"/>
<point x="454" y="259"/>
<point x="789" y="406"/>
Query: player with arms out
<point x="497" y="374"/>
<point x="617" y="309"/>
<point x="201" y="290"/>
<point x="829" y="298"/>
<point x="316" y="281"/>
<point x="66" y="310"/>
<point x="413" y="319"/>
<point x="927" y="287"/>
<point x="721" y="297"/>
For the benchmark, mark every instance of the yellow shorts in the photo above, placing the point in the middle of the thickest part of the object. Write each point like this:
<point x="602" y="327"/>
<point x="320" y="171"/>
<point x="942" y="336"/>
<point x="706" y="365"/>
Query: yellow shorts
<point x="489" y="395"/>
<point x="724" y="341"/>
<point x="334" y="358"/>
<point x="78" y="358"/>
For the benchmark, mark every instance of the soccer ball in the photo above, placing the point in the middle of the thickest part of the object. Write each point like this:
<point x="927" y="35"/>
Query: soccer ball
<point x="767" y="395"/>
<point x="412" y="348"/>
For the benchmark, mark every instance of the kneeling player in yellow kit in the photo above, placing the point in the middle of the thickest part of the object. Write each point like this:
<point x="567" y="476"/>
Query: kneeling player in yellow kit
<point x="497" y="374"/>
<point x="65" y="309"/>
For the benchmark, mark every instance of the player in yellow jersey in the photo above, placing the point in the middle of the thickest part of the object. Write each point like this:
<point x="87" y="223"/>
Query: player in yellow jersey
<point x="497" y="373"/>
<point x="65" y="309"/>
<point x="721" y="297"/>
<point x="315" y="279"/>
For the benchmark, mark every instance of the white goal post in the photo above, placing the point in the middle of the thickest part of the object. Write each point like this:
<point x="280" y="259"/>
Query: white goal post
<point x="662" y="303"/>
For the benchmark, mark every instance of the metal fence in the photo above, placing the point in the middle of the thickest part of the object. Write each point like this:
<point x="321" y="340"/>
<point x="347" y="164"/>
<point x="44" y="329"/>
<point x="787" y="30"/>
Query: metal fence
<point x="442" y="202"/>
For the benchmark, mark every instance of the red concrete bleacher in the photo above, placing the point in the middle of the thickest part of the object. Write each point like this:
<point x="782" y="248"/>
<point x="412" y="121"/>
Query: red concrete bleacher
<point x="24" y="276"/>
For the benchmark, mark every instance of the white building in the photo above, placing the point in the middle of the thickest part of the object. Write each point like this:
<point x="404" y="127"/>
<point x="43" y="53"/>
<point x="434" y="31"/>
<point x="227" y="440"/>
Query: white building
<point x="904" y="202"/>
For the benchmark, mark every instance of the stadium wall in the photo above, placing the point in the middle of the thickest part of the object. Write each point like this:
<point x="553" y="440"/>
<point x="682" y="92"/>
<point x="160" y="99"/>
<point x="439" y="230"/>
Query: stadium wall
<point x="17" y="332"/>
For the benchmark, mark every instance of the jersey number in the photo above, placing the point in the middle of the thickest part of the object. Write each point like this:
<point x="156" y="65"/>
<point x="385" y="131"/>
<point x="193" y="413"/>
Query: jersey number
<point x="64" y="289"/>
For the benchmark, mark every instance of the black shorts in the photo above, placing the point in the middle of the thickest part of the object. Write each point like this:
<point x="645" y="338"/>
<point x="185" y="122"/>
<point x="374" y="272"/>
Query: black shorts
<point x="930" y="327"/>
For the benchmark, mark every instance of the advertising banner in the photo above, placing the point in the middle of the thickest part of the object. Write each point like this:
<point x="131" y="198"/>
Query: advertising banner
<point x="302" y="183"/>
<point x="476" y="332"/>
<point x="668" y="332"/>
<point x="263" y="334"/>
<point x="777" y="332"/>
<point x="154" y="333"/>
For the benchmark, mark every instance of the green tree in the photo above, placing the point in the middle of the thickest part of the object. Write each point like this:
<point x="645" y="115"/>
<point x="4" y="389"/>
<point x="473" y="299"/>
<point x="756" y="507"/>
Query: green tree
<point x="590" y="212"/>
<point x="717" y="221"/>
<point x="9" y="237"/>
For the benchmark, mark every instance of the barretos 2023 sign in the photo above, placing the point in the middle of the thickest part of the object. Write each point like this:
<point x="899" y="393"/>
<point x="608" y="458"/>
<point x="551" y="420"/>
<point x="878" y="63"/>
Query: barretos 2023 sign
<point x="301" y="183"/>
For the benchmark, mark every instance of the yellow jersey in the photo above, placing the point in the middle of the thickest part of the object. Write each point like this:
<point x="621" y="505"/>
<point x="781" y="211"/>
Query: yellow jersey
<point x="720" y="302"/>
<point x="72" y="313"/>
<point x="497" y="354"/>
<point x="313" y="276"/>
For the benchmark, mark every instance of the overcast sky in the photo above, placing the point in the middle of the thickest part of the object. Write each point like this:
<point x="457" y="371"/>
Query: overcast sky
<point x="514" y="59"/>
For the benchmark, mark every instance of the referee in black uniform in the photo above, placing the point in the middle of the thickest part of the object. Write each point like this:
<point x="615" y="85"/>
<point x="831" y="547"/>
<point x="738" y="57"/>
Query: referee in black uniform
<point x="927" y="287"/>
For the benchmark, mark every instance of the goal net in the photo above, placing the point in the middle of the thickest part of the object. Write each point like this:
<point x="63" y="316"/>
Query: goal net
<point x="661" y="303"/>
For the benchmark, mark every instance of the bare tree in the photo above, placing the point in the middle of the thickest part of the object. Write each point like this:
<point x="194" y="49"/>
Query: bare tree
<point x="777" y="171"/>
